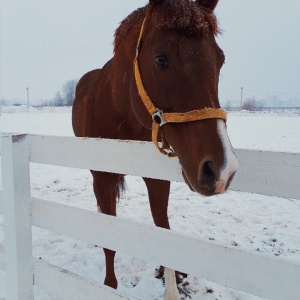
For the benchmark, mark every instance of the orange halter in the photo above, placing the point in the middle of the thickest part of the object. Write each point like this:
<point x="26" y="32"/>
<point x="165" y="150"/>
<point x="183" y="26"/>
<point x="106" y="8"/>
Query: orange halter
<point x="159" y="118"/>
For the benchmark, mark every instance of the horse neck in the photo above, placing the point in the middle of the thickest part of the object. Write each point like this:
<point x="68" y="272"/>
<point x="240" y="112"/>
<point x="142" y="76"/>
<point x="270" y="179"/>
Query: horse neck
<point x="119" y="73"/>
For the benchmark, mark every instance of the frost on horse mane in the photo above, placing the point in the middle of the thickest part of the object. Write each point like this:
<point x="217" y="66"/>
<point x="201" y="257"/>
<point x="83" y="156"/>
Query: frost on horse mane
<point x="184" y="16"/>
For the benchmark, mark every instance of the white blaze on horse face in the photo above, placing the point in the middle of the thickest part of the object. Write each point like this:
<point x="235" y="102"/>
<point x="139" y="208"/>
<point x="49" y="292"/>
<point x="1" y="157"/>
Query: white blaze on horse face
<point x="230" y="159"/>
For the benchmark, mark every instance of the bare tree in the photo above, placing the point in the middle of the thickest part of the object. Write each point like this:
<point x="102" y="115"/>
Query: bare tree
<point x="67" y="95"/>
<point x="251" y="104"/>
<point x="228" y="106"/>
<point x="58" y="99"/>
<point x="68" y="91"/>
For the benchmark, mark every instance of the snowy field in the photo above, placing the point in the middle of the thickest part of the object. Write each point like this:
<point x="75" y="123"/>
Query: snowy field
<point x="247" y="221"/>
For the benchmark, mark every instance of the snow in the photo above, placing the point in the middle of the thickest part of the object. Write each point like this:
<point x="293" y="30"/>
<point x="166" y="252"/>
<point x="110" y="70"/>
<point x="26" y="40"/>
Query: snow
<point x="247" y="221"/>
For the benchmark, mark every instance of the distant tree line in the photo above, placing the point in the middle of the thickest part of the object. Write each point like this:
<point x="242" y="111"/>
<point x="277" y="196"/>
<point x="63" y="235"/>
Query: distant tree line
<point x="250" y="104"/>
<point x="66" y="96"/>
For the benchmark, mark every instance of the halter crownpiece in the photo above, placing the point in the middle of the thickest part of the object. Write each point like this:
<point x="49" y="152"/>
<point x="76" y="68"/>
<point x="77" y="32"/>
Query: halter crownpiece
<point x="159" y="118"/>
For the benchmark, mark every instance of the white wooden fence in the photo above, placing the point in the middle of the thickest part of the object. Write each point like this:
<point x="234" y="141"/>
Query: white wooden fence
<point x="275" y="174"/>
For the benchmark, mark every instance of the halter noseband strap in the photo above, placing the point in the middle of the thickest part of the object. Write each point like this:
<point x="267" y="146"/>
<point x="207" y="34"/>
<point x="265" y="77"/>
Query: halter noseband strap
<point x="159" y="118"/>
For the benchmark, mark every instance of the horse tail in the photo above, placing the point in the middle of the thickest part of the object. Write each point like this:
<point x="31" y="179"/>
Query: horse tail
<point x="121" y="187"/>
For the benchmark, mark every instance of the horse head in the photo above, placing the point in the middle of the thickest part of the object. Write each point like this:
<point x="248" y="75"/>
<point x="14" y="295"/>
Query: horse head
<point x="179" y="62"/>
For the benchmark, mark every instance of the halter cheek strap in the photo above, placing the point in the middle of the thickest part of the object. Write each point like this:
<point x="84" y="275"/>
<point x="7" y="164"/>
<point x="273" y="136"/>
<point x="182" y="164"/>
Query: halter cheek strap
<point x="159" y="118"/>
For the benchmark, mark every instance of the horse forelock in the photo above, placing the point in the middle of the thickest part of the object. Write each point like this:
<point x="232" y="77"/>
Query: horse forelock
<point x="187" y="17"/>
<point x="184" y="16"/>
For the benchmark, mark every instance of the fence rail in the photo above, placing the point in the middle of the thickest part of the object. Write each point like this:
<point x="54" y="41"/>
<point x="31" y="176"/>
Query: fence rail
<point x="254" y="273"/>
<point x="261" y="172"/>
<point x="229" y="261"/>
<point x="58" y="282"/>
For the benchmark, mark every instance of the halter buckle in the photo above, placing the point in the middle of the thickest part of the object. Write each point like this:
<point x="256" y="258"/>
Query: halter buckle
<point x="158" y="117"/>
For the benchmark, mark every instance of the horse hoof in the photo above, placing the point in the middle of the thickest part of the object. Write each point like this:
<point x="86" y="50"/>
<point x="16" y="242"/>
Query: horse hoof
<point x="111" y="282"/>
<point x="173" y="295"/>
<point x="180" y="277"/>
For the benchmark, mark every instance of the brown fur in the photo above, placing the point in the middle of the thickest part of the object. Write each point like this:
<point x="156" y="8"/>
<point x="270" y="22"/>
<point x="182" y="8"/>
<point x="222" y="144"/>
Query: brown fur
<point x="182" y="16"/>
<point x="107" y="103"/>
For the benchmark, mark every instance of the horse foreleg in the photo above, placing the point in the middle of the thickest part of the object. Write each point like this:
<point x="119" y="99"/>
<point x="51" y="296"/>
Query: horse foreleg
<point x="110" y="276"/>
<point x="158" y="191"/>
<point x="106" y="192"/>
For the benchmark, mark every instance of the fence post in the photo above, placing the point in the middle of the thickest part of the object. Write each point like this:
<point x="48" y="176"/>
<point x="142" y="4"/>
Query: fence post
<point x="17" y="216"/>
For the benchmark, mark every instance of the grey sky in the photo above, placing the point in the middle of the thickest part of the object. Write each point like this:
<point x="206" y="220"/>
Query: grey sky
<point x="45" y="43"/>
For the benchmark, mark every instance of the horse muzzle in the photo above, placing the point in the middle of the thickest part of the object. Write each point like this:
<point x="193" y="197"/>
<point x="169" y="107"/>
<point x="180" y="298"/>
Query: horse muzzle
<point x="210" y="180"/>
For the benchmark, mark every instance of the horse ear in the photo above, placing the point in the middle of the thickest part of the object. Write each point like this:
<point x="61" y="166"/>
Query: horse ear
<point x="209" y="4"/>
<point x="153" y="2"/>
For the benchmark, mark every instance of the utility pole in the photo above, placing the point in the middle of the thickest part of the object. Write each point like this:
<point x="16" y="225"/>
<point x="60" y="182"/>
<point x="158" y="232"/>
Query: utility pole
<point x="242" y="89"/>
<point x="27" y="98"/>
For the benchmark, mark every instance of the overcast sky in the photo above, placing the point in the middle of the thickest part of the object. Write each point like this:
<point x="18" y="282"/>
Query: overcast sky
<point x="46" y="43"/>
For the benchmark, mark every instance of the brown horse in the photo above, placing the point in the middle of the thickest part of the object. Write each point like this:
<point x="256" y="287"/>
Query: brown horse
<point x="165" y="57"/>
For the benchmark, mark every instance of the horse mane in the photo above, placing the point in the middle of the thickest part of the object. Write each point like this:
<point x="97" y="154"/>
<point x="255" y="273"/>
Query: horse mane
<point x="134" y="19"/>
<point x="183" y="16"/>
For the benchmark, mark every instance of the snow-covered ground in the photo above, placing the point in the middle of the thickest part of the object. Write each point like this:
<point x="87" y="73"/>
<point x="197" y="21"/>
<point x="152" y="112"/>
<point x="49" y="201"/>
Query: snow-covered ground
<point x="254" y="222"/>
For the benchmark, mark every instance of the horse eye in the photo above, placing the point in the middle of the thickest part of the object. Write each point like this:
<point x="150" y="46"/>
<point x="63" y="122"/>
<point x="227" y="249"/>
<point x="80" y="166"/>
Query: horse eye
<point x="161" y="61"/>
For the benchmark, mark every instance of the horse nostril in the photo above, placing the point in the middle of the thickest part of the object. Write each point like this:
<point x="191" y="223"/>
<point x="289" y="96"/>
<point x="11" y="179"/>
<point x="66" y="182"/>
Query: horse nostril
<point x="207" y="174"/>
<point x="229" y="180"/>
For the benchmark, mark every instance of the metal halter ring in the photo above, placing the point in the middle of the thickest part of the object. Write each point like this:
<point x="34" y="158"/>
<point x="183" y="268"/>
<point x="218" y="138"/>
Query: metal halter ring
<point x="158" y="117"/>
